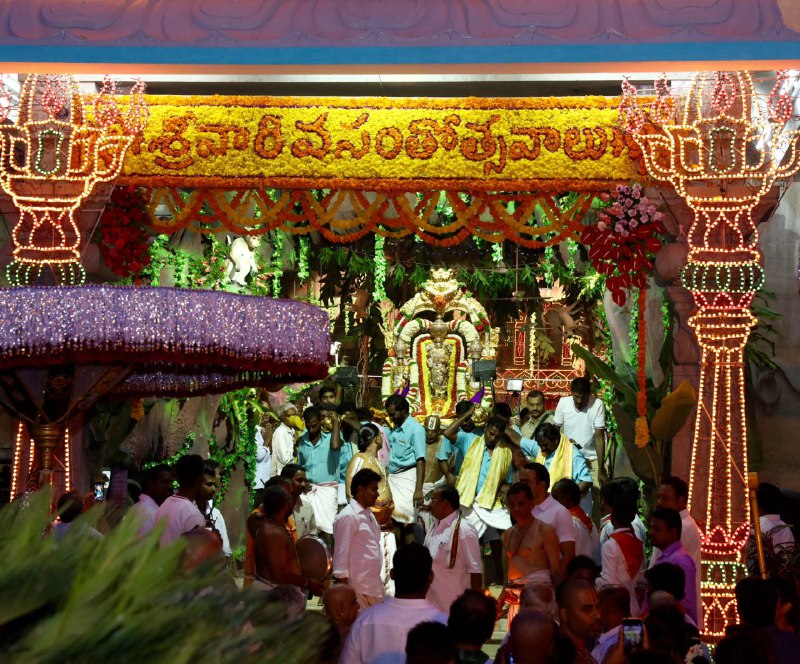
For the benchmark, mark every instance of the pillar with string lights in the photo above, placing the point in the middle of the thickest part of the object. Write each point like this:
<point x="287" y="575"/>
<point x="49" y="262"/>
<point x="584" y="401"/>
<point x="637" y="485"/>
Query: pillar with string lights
<point x="25" y="468"/>
<point x="723" y="152"/>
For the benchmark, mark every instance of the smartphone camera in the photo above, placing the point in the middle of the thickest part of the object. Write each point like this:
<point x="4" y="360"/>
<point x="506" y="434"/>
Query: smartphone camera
<point x="632" y="634"/>
<point x="99" y="491"/>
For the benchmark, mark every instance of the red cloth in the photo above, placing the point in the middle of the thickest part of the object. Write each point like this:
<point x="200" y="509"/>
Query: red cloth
<point x="632" y="550"/>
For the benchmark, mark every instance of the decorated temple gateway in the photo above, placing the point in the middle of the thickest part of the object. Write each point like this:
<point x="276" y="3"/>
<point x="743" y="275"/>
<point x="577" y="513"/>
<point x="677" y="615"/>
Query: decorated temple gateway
<point x="324" y="205"/>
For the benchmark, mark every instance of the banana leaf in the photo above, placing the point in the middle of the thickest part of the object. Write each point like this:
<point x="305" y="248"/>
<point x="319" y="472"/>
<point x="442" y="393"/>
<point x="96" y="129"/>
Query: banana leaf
<point x="645" y="461"/>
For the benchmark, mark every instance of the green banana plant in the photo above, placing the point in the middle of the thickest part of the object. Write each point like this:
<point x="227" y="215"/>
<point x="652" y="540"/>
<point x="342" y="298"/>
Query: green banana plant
<point x="648" y="462"/>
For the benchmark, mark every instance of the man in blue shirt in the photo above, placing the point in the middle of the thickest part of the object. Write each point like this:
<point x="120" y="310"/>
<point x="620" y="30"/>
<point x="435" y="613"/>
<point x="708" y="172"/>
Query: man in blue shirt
<point x="320" y="454"/>
<point x="457" y="439"/>
<point x="406" y="463"/>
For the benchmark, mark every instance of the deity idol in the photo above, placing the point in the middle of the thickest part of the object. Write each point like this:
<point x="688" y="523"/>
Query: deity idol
<point x="439" y="359"/>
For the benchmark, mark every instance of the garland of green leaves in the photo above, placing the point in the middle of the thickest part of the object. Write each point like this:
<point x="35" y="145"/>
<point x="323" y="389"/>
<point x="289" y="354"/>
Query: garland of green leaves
<point x="379" y="292"/>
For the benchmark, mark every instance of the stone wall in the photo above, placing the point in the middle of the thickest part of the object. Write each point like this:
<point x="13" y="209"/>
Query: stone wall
<point x="777" y="395"/>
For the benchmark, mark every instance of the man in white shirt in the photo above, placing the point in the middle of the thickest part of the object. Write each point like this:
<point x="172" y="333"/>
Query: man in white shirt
<point x="582" y="419"/>
<point x="673" y="493"/>
<point x="608" y="494"/>
<point x="357" y="558"/>
<point x="550" y="511"/>
<point x="156" y="488"/>
<point x="263" y="461"/>
<point x="455" y="549"/>
<point x="283" y="439"/>
<point x="587" y="539"/>
<point x="773" y="529"/>
<point x="622" y="554"/>
<point x="379" y="634"/>
<point x="212" y="481"/>
<point x="179" y="512"/>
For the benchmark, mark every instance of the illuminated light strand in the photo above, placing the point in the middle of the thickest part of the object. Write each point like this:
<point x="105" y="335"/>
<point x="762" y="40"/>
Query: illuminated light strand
<point x="106" y="111"/>
<point x="54" y="94"/>
<point x="724" y="93"/>
<point x="712" y="151"/>
<point x="15" y="469"/>
<point x="5" y="101"/>
<point x="67" y="454"/>
<point x="84" y="154"/>
<point x="663" y="109"/>
<point x="780" y="104"/>
<point x="631" y="114"/>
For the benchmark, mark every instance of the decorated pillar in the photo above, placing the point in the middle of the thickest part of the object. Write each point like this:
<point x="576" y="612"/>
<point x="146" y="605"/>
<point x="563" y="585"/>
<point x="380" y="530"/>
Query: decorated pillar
<point x="722" y="155"/>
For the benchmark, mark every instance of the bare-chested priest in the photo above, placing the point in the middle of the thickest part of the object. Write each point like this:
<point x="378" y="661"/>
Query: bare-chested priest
<point x="531" y="548"/>
<point x="276" y="557"/>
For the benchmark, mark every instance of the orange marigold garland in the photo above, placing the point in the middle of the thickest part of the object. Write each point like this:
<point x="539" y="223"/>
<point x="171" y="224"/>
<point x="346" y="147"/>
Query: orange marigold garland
<point x="642" y="431"/>
<point x="123" y="230"/>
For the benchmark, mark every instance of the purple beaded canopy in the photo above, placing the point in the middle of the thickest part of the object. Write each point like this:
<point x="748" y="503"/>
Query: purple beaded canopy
<point x="159" y="341"/>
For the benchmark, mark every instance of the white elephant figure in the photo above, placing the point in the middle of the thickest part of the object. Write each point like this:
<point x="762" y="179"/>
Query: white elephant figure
<point x="241" y="260"/>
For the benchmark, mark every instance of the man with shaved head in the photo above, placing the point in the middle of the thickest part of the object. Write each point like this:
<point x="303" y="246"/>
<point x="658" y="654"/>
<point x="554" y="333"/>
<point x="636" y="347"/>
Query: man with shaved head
<point x="532" y="639"/>
<point x="579" y="613"/>
<point x="614" y="604"/>
<point x="341" y="607"/>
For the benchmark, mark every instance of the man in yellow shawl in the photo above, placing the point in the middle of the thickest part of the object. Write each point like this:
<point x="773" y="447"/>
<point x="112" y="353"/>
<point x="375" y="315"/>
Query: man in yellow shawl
<point x="562" y="458"/>
<point x="486" y="472"/>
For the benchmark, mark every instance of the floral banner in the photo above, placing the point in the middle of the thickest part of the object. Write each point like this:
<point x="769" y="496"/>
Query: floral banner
<point x="383" y="144"/>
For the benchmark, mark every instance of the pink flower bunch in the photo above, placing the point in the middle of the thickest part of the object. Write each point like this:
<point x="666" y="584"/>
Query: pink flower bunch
<point x="623" y="243"/>
<point x="629" y="210"/>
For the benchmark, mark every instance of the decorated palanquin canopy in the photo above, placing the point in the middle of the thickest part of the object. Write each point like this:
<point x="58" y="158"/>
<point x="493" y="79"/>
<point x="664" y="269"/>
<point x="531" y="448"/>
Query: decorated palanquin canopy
<point x="346" y="167"/>
<point x="63" y="347"/>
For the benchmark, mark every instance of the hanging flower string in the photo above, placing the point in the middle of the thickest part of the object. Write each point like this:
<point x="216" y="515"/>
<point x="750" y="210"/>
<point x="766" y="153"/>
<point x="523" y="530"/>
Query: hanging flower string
<point x="302" y="264"/>
<point x="642" y="431"/>
<point x="379" y="293"/>
<point x="497" y="253"/>
<point x="277" y="263"/>
<point x="623" y="242"/>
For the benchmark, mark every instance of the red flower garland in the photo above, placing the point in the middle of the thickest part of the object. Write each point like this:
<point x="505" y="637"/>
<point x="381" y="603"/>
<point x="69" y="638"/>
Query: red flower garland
<point x="123" y="229"/>
<point x="623" y="242"/>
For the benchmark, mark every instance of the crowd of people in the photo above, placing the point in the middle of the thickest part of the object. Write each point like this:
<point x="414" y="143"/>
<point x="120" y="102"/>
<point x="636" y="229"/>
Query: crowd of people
<point x="424" y="522"/>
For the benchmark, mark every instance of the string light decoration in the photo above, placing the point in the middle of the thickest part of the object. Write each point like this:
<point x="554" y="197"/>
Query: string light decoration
<point x="663" y="109"/>
<point x="16" y="464"/>
<point x="780" y="104"/>
<point x="631" y="115"/>
<point x="722" y="155"/>
<point x="50" y="162"/>
<point x="67" y="470"/>
<point x="25" y="456"/>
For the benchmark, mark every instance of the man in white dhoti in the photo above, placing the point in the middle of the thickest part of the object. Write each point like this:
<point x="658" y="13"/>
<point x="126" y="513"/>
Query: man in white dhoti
<point x="486" y="471"/>
<point x="455" y="549"/>
<point x="319" y="453"/>
<point x="406" y="464"/>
